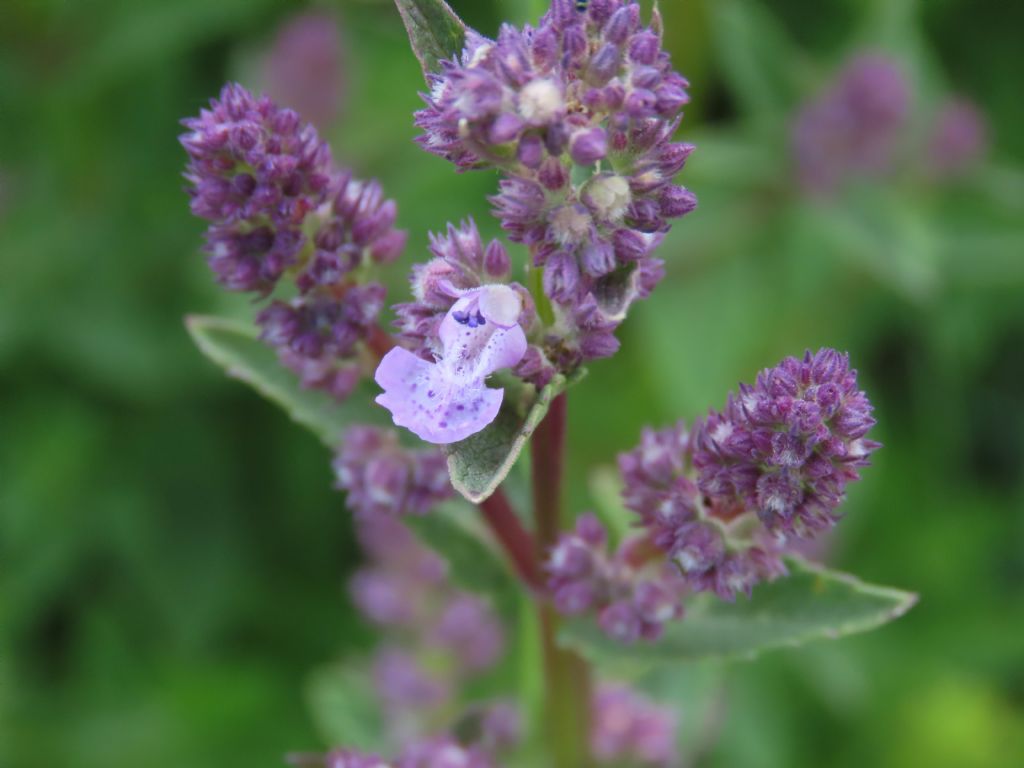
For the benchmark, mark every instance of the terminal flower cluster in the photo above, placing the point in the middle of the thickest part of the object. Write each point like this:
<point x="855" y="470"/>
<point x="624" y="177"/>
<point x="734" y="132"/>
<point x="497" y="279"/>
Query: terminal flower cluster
<point x="786" y="447"/>
<point x="579" y="115"/>
<point x="723" y="502"/>
<point x="279" y="208"/>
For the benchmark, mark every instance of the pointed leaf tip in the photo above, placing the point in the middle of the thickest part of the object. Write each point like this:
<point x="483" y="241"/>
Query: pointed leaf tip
<point x="811" y="603"/>
<point x="435" y="31"/>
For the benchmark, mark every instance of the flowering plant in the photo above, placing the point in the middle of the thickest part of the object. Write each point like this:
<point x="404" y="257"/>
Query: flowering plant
<point x="578" y="116"/>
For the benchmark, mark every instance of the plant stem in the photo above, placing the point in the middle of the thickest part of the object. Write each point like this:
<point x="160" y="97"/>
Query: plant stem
<point x="517" y="542"/>
<point x="379" y="341"/>
<point x="566" y="674"/>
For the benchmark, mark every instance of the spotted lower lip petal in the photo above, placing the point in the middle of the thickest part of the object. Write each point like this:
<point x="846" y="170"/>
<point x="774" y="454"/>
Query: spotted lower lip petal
<point x="448" y="400"/>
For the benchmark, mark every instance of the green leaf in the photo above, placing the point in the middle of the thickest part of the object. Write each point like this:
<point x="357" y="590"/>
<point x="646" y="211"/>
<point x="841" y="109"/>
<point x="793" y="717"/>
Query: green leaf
<point x="345" y="707"/>
<point x="479" y="463"/>
<point x="761" y="65"/>
<point x="435" y="31"/>
<point x="812" y="603"/>
<point x="236" y="348"/>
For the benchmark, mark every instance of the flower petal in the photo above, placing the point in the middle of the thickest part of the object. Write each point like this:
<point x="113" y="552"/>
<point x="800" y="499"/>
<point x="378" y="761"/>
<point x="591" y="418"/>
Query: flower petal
<point x="434" y="407"/>
<point x="476" y="346"/>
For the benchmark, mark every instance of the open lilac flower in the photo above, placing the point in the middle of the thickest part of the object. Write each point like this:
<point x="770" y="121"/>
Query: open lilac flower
<point x="461" y="263"/>
<point x="448" y="400"/>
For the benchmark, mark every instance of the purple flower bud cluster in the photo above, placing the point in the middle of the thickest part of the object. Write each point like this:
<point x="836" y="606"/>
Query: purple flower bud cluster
<point x="443" y="752"/>
<point x="724" y="501"/>
<point x="958" y="140"/>
<point x="855" y="127"/>
<point x="304" y="66"/>
<point x="628" y="728"/>
<point x="345" y="758"/>
<point x="435" y="752"/>
<point x="278" y="207"/>
<point x="632" y="599"/>
<point x="787" y="446"/>
<point x="461" y="263"/>
<point x="383" y="478"/>
<point x="440" y="637"/>
<point x="398" y="588"/>
<point x="256" y="172"/>
<point x="579" y="114"/>
<point x="710" y="543"/>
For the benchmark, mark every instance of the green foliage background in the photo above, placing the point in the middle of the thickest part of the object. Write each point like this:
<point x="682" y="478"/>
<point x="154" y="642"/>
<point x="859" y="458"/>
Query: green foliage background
<point x="171" y="552"/>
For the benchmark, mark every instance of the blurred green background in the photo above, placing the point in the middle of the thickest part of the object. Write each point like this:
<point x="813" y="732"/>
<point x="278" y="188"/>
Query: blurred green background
<point x="172" y="555"/>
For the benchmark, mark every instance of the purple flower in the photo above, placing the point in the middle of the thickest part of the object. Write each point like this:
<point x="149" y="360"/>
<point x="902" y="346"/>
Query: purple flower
<point x="632" y="599"/>
<point x="383" y="478"/>
<point x="438" y="637"/>
<point x="255" y="171"/>
<point x="448" y="400"/>
<point x="344" y="758"/>
<point x="443" y="752"/>
<point x="469" y="630"/>
<point x="404" y="685"/>
<point x="787" y="446"/>
<point x="591" y="89"/>
<point x="855" y="127"/>
<point x="501" y="726"/>
<point x="629" y="728"/>
<point x="278" y="207"/>
<point x="461" y="263"/>
<point x="958" y="139"/>
<point x="304" y="67"/>
<point x="712" y="544"/>
<point x="402" y="585"/>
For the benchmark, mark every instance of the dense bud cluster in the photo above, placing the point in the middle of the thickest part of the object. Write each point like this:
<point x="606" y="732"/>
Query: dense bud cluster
<point x="629" y="729"/>
<point x="461" y="263"/>
<point x="787" y="446"/>
<point x="712" y="545"/>
<point x="855" y="127"/>
<point x="383" y="478"/>
<point x="279" y="208"/>
<point x="631" y="599"/>
<point x="579" y="114"/>
<point x="721" y="504"/>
